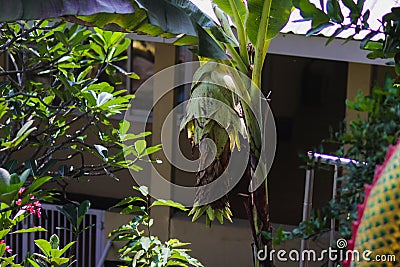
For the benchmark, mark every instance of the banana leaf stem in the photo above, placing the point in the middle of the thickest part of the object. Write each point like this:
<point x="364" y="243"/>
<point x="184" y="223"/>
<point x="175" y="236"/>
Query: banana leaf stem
<point x="262" y="44"/>
<point x="241" y="33"/>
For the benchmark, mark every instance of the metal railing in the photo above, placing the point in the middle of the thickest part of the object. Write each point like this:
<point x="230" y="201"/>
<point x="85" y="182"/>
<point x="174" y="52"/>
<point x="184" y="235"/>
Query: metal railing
<point x="337" y="162"/>
<point x="90" y="243"/>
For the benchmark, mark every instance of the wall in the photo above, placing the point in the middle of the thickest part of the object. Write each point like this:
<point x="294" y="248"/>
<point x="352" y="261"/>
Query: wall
<point x="307" y="99"/>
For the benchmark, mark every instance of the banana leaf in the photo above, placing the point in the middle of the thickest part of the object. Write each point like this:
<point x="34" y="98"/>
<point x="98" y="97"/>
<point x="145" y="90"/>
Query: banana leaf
<point x="166" y="18"/>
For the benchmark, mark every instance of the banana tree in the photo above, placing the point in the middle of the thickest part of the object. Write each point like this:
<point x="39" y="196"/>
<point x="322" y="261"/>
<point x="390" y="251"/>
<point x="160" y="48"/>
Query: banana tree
<point x="238" y="42"/>
<point x="256" y="23"/>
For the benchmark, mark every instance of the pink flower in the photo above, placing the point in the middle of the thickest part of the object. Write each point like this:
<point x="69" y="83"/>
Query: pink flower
<point x="21" y="190"/>
<point x="8" y="249"/>
<point x="34" y="208"/>
<point x="18" y="202"/>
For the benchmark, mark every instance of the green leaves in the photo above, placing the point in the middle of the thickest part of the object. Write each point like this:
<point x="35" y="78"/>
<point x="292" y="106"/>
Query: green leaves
<point x="75" y="214"/>
<point x="358" y="22"/>
<point x="124" y="135"/>
<point x="208" y="47"/>
<point x="210" y="111"/>
<point x="275" y="12"/>
<point x="142" y="248"/>
<point x="183" y="17"/>
<point x="309" y="11"/>
<point x="29" y="10"/>
<point x="238" y="8"/>
<point x="355" y="9"/>
<point x="142" y="189"/>
<point x="62" y="101"/>
<point x="21" y="135"/>
<point x="51" y="253"/>
<point x="30" y="230"/>
<point x="102" y="98"/>
<point x="38" y="182"/>
<point x="332" y="15"/>
<point x="11" y="184"/>
<point x="279" y="16"/>
<point x="168" y="203"/>
<point x="128" y="200"/>
<point x="334" y="11"/>
<point x="140" y="146"/>
<point x="108" y="46"/>
<point x="167" y="18"/>
<point x="211" y="214"/>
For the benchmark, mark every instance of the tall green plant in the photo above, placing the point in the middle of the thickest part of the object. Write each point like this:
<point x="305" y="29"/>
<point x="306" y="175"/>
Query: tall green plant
<point x="255" y="24"/>
<point x="141" y="247"/>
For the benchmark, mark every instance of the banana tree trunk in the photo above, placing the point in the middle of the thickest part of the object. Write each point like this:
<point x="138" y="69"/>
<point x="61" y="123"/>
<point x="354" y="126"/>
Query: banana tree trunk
<point x="257" y="210"/>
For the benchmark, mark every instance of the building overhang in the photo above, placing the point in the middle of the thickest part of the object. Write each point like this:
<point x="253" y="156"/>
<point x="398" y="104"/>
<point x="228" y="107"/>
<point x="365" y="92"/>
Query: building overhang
<point x="314" y="47"/>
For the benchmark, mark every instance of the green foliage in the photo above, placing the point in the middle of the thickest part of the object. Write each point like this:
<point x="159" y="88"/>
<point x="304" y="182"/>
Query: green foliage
<point x="57" y="101"/>
<point x="28" y="10"/>
<point x="142" y="248"/>
<point x="256" y="24"/>
<point x="51" y="255"/>
<point x="18" y="194"/>
<point x="211" y="213"/>
<point x="17" y="201"/>
<point x="279" y="14"/>
<point x="166" y="18"/>
<point x="356" y="22"/>
<point x="332" y="15"/>
<point x="75" y="215"/>
<point x="364" y="140"/>
<point x="217" y="119"/>
<point x="183" y="17"/>
<point x="58" y="98"/>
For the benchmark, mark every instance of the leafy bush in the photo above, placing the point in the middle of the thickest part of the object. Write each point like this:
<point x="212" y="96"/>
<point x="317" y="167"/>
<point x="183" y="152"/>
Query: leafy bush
<point x="18" y="201"/>
<point x="52" y="254"/>
<point x="58" y="96"/>
<point x="143" y="249"/>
